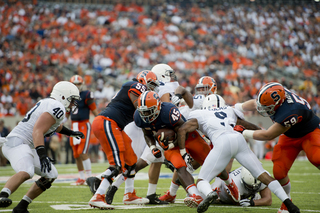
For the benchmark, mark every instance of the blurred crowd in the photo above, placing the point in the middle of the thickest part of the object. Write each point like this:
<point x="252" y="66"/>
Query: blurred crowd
<point x="241" y="46"/>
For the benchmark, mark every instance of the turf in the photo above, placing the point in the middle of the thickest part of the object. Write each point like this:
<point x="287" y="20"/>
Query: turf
<point x="62" y="197"/>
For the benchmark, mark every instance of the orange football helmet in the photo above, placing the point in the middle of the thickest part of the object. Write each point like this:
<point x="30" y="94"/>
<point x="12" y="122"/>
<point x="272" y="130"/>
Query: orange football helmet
<point x="206" y="85"/>
<point x="77" y="80"/>
<point x="270" y="98"/>
<point x="149" y="79"/>
<point x="149" y="106"/>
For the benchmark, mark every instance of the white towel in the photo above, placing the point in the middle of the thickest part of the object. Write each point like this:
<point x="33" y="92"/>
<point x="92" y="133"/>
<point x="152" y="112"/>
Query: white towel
<point x="75" y="127"/>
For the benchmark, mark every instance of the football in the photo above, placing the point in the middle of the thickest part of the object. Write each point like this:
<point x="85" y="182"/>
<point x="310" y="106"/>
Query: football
<point x="165" y="136"/>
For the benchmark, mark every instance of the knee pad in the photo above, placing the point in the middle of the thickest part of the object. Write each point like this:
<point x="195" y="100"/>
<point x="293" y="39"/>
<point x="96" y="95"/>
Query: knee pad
<point x="44" y="183"/>
<point x="114" y="173"/>
<point x="129" y="170"/>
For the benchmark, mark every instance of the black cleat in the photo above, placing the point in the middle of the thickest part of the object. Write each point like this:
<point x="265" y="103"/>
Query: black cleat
<point x="5" y="202"/>
<point x="291" y="207"/>
<point x="154" y="199"/>
<point x="93" y="183"/>
<point x="110" y="194"/>
<point x="204" y="205"/>
<point x="19" y="210"/>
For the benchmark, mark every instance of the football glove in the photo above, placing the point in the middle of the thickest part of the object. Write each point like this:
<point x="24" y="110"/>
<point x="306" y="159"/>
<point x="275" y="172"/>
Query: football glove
<point x="239" y="128"/>
<point x="155" y="151"/>
<point x="188" y="159"/>
<point x="176" y="99"/>
<point x="45" y="161"/>
<point x="77" y="134"/>
<point x="246" y="202"/>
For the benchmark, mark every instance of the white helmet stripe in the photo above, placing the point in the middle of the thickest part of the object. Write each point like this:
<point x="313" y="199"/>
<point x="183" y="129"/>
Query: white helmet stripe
<point x="143" y="99"/>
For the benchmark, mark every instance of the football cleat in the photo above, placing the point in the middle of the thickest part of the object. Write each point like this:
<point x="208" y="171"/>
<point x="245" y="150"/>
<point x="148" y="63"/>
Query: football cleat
<point x="110" y="194"/>
<point x="154" y="199"/>
<point x="167" y="197"/>
<point x="289" y="207"/>
<point x="19" y="210"/>
<point x="98" y="201"/>
<point x="131" y="198"/>
<point x="193" y="201"/>
<point x="233" y="191"/>
<point x="5" y="202"/>
<point x="79" y="182"/>
<point x="93" y="183"/>
<point x="204" y="205"/>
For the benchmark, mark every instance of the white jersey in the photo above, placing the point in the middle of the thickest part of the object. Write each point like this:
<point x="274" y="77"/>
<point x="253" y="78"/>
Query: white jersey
<point x="215" y="122"/>
<point x="25" y="127"/>
<point x="236" y="177"/>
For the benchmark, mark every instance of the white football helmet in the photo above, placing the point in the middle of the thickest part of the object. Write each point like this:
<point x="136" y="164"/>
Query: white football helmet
<point x="164" y="72"/>
<point x="66" y="93"/>
<point x="213" y="101"/>
<point x="250" y="183"/>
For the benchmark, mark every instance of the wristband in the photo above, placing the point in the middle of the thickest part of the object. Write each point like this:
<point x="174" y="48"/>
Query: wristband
<point x="248" y="134"/>
<point x="183" y="151"/>
<point x="41" y="151"/>
<point x="171" y="145"/>
<point x="238" y="106"/>
<point x="152" y="147"/>
<point x="66" y="131"/>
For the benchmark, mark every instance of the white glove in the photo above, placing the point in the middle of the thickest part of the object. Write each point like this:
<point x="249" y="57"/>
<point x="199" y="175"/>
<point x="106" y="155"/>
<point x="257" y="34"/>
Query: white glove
<point x="176" y="99"/>
<point x="246" y="202"/>
<point x="188" y="159"/>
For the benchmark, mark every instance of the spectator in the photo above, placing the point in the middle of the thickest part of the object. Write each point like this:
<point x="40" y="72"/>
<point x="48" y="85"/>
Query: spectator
<point x="4" y="131"/>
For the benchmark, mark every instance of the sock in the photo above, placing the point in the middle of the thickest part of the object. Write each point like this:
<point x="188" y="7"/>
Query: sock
<point x="119" y="180"/>
<point x="276" y="188"/>
<point x="227" y="181"/>
<point x="26" y="198"/>
<point x="173" y="188"/>
<point x="5" y="192"/>
<point x="129" y="185"/>
<point x="287" y="188"/>
<point x="204" y="187"/>
<point x="192" y="189"/>
<point x="81" y="173"/>
<point x="23" y="204"/>
<point x="87" y="166"/>
<point x="151" y="189"/>
<point x="104" y="185"/>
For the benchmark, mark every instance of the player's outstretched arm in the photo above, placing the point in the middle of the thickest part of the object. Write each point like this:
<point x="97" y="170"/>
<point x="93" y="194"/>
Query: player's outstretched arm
<point x="274" y="131"/>
<point x="266" y="198"/>
<point x="189" y="126"/>
<point x="250" y="105"/>
<point x="182" y="92"/>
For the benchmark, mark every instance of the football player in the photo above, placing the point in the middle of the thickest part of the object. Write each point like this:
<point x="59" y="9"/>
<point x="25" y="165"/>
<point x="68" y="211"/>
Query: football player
<point x="25" y="149"/>
<point x="108" y="128"/>
<point x="80" y="122"/>
<point x="252" y="191"/>
<point x="152" y="115"/>
<point x="217" y="122"/>
<point x="293" y="121"/>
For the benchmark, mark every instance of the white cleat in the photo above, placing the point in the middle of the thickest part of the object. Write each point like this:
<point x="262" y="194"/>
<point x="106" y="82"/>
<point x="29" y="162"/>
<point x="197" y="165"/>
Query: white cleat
<point x="98" y="201"/>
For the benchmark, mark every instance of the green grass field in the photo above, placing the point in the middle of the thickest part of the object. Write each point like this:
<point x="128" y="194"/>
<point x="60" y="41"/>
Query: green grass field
<point x="62" y="197"/>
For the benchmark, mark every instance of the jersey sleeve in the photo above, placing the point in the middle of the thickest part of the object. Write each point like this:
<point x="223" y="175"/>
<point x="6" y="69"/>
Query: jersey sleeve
<point x="137" y="88"/>
<point x="137" y="119"/>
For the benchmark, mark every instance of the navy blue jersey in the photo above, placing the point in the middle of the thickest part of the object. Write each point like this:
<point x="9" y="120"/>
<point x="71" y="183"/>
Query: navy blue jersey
<point x="83" y="111"/>
<point x="297" y="113"/>
<point x="121" y="109"/>
<point x="169" y="116"/>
